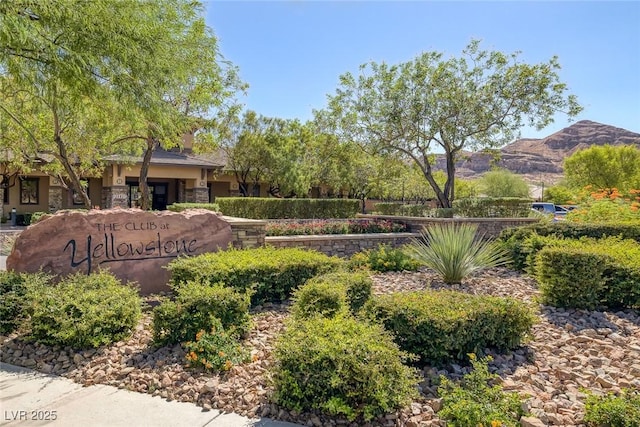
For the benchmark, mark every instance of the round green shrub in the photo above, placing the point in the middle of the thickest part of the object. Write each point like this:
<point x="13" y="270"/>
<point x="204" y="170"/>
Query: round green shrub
<point x="358" y="286"/>
<point x="384" y="258"/>
<point x="622" y="410"/>
<point x="271" y="273"/>
<point x="319" y="298"/>
<point x="341" y="366"/>
<point x="198" y="307"/>
<point x="14" y="299"/>
<point x="445" y="326"/>
<point x="84" y="311"/>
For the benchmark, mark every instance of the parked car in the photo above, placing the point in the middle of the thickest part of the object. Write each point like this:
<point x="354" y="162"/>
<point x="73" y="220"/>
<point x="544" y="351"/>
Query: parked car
<point x="557" y="211"/>
<point x="570" y="207"/>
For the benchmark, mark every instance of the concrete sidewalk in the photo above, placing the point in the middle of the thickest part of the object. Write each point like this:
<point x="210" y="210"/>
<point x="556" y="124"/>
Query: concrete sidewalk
<point x="30" y="398"/>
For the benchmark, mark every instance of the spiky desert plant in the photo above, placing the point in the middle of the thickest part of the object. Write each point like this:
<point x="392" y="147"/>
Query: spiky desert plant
<point x="454" y="252"/>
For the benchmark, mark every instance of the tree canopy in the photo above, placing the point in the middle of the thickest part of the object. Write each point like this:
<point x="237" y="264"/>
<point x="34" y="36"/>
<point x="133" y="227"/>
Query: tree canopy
<point x="604" y="167"/>
<point x="503" y="183"/>
<point x="479" y="100"/>
<point x="151" y="71"/>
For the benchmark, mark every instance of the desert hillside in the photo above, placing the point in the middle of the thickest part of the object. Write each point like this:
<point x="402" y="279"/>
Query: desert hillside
<point x="541" y="159"/>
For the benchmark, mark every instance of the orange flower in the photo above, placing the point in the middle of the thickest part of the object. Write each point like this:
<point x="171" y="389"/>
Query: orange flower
<point x="199" y="335"/>
<point x="227" y="365"/>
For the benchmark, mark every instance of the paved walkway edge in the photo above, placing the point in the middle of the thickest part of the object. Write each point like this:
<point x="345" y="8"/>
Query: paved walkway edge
<point x="31" y="398"/>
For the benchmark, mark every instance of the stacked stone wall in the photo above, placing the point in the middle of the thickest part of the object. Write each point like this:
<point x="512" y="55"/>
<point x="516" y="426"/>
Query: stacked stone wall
<point x="342" y="245"/>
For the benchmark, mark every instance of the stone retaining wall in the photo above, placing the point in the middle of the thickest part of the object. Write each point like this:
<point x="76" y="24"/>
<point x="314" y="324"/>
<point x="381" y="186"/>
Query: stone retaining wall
<point x="489" y="227"/>
<point x="342" y="245"/>
<point x="247" y="233"/>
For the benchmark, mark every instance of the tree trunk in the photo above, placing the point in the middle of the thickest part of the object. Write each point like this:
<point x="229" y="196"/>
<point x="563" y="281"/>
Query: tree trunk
<point x="449" y="187"/>
<point x="145" y="197"/>
<point x="73" y="177"/>
<point x="443" y="201"/>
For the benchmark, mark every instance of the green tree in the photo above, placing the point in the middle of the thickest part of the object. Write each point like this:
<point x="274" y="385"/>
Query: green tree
<point x="245" y="150"/>
<point x="479" y="100"/>
<point x="604" y="167"/>
<point x="271" y="150"/>
<point x="153" y="66"/>
<point x="560" y="195"/>
<point x="503" y="183"/>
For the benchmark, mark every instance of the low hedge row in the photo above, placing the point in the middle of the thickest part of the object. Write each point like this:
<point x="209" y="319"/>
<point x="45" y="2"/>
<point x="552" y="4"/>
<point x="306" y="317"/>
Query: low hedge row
<point x="492" y="207"/>
<point x="399" y="209"/>
<point x="445" y="326"/>
<point x="571" y="230"/>
<point x="520" y="241"/>
<point x="589" y="273"/>
<point x="271" y="274"/>
<point x="322" y="226"/>
<point x="273" y="208"/>
<point x="179" y="207"/>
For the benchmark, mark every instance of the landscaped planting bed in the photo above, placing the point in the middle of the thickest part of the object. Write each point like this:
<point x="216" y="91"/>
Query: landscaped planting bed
<point x="570" y="350"/>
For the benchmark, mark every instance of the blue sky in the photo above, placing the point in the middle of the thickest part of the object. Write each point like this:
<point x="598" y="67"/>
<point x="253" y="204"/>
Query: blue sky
<point x="291" y="53"/>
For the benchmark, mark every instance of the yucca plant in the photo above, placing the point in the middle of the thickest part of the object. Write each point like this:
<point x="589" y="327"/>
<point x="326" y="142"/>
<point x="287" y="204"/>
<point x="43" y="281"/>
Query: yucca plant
<point x="454" y="252"/>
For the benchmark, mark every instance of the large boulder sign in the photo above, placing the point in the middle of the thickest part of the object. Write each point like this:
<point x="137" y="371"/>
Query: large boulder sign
<point x="133" y="244"/>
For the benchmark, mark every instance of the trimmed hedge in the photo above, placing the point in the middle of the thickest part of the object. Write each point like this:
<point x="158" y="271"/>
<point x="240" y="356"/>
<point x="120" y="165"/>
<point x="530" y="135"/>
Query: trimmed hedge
<point x="445" y="326"/>
<point x="323" y="226"/>
<point x="516" y="241"/>
<point x="198" y="307"/>
<point x="179" y="207"/>
<point x="492" y="207"/>
<point x="318" y="298"/>
<point x="399" y="209"/>
<point x="272" y="274"/>
<point x="84" y="311"/>
<point x="572" y="230"/>
<point x="589" y="273"/>
<point x="273" y="208"/>
<point x="341" y="366"/>
<point x="332" y="293"/>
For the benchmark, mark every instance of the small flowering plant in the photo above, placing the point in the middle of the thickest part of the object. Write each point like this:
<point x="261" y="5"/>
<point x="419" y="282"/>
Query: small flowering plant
<point x="607" y="206"/>
<point x="216" y="350"/>
<point x="352" y="226"/>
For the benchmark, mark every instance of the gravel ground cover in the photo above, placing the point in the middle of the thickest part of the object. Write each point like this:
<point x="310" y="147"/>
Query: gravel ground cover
<point x="571" y="350"/>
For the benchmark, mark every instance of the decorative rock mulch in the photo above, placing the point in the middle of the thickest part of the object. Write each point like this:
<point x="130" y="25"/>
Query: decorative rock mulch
<point x="570" y="350"/>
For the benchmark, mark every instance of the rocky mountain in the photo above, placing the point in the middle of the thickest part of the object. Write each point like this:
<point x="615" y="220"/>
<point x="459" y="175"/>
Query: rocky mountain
<point x="541" y="159"/>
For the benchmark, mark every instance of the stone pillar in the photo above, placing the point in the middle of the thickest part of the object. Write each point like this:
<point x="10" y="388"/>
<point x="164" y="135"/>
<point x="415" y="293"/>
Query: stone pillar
<point x="201" y="195"/>
<point x="182" y="195"/>
<point x="115" y="196"/>
<point x="196" y="191"/>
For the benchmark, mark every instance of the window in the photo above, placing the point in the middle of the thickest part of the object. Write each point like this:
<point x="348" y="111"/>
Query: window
<point x="6" y="196"/>
<point x="29" y="191"/>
